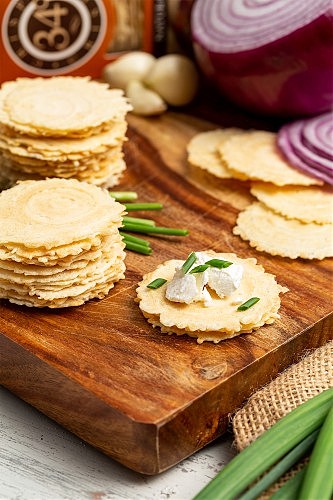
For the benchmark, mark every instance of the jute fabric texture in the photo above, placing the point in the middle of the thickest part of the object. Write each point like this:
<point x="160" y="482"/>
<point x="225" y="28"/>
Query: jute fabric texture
<point x="298" y="383"/>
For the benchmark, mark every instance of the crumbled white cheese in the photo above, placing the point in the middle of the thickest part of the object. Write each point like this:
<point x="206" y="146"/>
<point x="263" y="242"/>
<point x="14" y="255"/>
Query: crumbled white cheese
<point x="202" y="258"/>
<point x="182" y="287"/>
<point x="188" y="288"/>
<point x="225" y="281"/>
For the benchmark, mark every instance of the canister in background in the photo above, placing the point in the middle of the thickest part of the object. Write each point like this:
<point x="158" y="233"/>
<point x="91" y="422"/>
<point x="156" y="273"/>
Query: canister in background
<point x="77" y="37"/>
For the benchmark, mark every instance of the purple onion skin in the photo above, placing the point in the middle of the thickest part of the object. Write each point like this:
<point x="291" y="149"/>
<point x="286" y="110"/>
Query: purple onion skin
<point x="290" y="77"/>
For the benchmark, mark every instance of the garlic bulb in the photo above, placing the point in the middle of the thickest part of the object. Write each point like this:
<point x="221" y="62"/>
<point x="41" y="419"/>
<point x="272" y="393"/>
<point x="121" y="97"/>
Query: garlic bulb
<point x="131" y="66"/>
<point x="151" y="84"/>
<point x="174" y="77"/>
<point x="144" y="101"/>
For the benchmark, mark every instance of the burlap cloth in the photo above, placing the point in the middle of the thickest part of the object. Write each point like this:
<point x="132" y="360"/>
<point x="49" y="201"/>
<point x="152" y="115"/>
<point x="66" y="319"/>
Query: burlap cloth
<point x="294" y="386"/>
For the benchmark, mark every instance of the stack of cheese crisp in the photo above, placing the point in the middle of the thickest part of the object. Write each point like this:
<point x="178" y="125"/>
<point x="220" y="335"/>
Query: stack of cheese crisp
<point x="59" y="243"/>
<point x="69" y="127"/>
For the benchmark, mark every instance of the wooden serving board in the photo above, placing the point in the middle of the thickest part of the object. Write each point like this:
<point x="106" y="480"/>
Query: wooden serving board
<point x="144" y="398"/>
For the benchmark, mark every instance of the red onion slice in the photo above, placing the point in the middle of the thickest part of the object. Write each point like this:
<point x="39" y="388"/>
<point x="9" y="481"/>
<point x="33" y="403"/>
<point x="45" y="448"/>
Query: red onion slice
<point x="318" y="135"/>
<point x="286" y="147"/>
<point x="294" y="131"/>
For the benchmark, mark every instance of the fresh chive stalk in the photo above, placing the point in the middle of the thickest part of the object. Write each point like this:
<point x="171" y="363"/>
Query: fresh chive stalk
<point x="123" y="195"/>
<point x="139" y="220"/>
<point x="249" y="303"/>
<point x="290" y="489"/>
<point x="191" y="259"/>
<point x="134" y="239"/>
<point x="157" y="283"/>
<point x="143" y="206"/>
<point x="281" y="467"/>
<point x="268" y="448"/>
<point x="135" y="247"/>
<point x="219" y="263"/>
<point x="318" y="479"/>
<point x="199" y="269"/>
<point x="142" y="228"/>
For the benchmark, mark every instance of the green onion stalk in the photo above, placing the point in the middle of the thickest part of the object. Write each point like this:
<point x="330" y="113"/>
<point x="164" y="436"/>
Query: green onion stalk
<point x="268" y="449"/>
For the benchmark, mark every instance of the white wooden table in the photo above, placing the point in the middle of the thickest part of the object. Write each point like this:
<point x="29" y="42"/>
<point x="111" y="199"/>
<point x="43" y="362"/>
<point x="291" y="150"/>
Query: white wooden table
<point x="39" y="460"/>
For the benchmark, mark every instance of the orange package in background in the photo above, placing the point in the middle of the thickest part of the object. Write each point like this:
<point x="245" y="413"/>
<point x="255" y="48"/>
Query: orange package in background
<point x="76" y="37"/>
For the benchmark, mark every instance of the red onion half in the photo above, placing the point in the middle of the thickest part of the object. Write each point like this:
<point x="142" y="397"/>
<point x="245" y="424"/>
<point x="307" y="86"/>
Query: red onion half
<point x="308" y="145"/>
<point x="271" y="56"/>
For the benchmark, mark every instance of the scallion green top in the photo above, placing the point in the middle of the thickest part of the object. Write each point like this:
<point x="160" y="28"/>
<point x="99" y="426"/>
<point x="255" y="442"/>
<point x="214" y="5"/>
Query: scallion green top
<point x="199" y="269"/>
<point x="219" y="263"/>
<point x="249" y="303"/>
<point x="157" y="283"/>
<point x="191" y="259"/>
<point x="123" y="195"/>
<point x="143" y="206"/>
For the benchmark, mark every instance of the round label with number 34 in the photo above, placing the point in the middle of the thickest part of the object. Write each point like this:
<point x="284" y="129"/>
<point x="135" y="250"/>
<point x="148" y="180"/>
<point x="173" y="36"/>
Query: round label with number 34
<point x="53" y="36"/>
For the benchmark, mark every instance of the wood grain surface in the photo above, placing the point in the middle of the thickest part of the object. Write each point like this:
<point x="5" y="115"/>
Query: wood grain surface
<point x="147" y="399"/>
<point x="39" y="460"/>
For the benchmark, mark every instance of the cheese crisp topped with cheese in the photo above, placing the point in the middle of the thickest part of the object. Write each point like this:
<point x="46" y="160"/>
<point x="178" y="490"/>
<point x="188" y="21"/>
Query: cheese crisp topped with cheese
<point x="210" y="296"/>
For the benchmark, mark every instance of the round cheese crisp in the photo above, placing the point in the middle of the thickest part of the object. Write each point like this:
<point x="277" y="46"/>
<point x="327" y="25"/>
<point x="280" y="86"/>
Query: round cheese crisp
<point x="99" y="291"/>
<point x="270" y="232"/>
<point x="221" y="319"/>
<point x="45" y="166"/>
<point x="63" y="148"/>
<point x="307" y="204"/>
<point x="105" y="273"/>
<point x="254" y="155"/>
<point x="95" y="171"/>
<point x="63" y="276"/>
<point x="60" y="106"/>
<point x="203" y="151"/>
<point x="22" y="259"/>
<point x="106" y="172"/>
<point x="55" y="212"/>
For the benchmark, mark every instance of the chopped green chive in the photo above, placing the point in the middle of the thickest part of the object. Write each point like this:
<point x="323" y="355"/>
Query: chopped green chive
<point x="220" y="264"/>
<point x="138" y="220"/>
<point x="141" y="224"/>
<point x="249" y="303"/>
<point x="135" y="247"/>
<point x="143" y="228"/>
<point x="134" y="239"/>
<point x="123" y="195"/>
<point x="199" y="269"/>
<point x="191" y="259"/>
<point x="143" y="206"/>
<point x="157" y="283"/>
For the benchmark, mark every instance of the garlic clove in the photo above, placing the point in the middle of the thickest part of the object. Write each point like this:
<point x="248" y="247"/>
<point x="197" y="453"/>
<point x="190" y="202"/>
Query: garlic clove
<point x="175" y="78"/>
<point x="144" y="101"/>
<point x="131" y="66"/>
